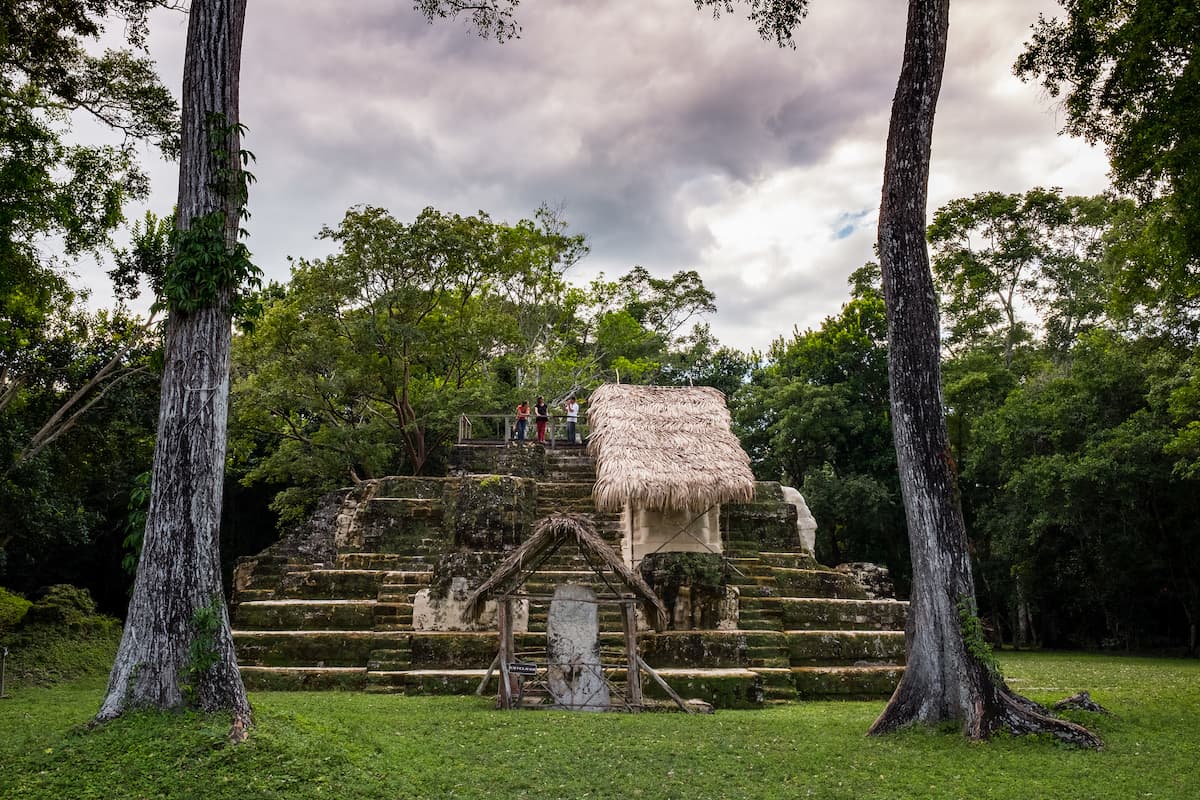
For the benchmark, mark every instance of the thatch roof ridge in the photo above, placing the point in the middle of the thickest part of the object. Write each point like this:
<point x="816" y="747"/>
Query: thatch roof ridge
<point x="665" y="448"/>
<point x="546" y="533"/>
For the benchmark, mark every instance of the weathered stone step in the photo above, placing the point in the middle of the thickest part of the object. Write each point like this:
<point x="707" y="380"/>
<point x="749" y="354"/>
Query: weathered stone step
<point x="243" y="595"/>
<point x="861" y="648"/>
<point x="778" y="686"/>
<point x="552" y="576"/>
<point x="751" y="580"/>
<point x="393" y="659"/>
<point x="394" y="616"/>
<point x="311" y="648"/>
<point x="384" y="561"/>
<point x="399" y="603"/>
<point x="805" y="613"/>
<point x="752" y="591"/>
<point x="307" y="615"/>
<point x="748" y="564"/>
<point x="275" y="679"/>
<point x="722" y="687"/>
<point x="711" y="648"/>
<point x="566" y="489"/>
<point x="424" y="681"/>
<point x="846" y="682"/>
<point x="818" y="583"/>
<point x="609" y="623"/>
<point x="764" y="624"/>
<point x="789" y="560"/>
<point x="582" y="474"/>
<point x="732" y="687"/>
<point x="396" y="578"/>
<point x="261" y="573"/>
<point x="545" y="508"/>
<point x="569" y="561"/>
<point x="411" y="507"/>
<point x="397" y="594"/>
<point x="331" y="584"/>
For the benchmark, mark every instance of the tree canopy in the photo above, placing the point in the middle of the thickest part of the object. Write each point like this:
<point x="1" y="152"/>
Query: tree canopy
<point x="1127" y="73"/>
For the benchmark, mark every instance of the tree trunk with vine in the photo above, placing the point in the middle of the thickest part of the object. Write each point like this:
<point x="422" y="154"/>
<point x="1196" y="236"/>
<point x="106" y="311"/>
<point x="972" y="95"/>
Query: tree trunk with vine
<point x="949" y="674"/>
<point x="177" y="648"/>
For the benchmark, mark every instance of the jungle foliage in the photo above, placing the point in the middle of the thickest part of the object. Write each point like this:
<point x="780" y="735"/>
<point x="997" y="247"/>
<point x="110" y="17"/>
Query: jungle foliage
<point x="77" y="402"/>
<point x="363" y="363"/>
<point x="1074" y="415"/>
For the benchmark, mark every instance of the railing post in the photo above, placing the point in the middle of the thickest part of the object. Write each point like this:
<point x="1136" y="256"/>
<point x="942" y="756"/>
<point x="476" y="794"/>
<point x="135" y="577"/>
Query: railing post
<point x="633" y="674"/>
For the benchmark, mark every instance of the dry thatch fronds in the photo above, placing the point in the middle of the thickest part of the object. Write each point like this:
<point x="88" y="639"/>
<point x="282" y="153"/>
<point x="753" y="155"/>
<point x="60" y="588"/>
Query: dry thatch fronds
<point x="665" y="448"/>
<point x="547" y="533"/>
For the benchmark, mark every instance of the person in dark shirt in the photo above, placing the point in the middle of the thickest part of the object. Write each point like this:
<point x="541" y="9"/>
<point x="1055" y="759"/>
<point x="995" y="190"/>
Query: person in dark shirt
<point x="542" y="415"/>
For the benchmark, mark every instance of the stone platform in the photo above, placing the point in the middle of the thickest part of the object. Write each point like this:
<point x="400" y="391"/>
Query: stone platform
<point x="331" y="606"/>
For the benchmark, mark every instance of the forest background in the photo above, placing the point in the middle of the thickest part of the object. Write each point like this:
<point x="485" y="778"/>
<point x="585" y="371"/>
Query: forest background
<point x="1071" y="371"/>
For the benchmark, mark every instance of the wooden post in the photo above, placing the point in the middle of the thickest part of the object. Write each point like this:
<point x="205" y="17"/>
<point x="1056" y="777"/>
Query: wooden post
<point x="504" y="622"/>
<point x="487" y="676"/>
<point x="509" y="643"/>
<point x="665" y="686"/>
<point x="633" y="675"/>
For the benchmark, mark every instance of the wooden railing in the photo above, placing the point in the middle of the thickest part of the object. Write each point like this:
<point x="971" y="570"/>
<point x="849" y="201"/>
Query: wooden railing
<point x="502" y="428"/>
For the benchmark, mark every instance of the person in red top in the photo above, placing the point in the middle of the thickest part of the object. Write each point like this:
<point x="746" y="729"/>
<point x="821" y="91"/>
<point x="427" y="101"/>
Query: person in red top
<point x="522" y="419"/>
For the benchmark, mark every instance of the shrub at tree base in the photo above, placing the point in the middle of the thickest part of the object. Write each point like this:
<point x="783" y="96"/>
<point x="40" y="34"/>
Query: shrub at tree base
<point x="59" y="637"/>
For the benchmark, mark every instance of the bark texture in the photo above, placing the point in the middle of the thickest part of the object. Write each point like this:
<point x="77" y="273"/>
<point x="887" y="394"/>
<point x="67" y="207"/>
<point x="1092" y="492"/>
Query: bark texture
<point x="943" y="681"/>
<point x="178" y="580"/>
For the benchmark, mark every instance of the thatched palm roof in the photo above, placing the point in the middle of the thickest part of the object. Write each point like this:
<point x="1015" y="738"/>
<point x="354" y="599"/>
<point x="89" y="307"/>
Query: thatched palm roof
<point x="665" y="448"/>
<point x="549" y="532"/>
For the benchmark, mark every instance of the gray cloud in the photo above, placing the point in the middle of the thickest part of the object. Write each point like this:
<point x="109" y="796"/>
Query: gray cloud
<point x="672" y="140"/>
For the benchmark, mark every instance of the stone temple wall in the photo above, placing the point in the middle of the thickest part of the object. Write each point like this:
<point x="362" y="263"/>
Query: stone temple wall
<point x="366" y="594"/>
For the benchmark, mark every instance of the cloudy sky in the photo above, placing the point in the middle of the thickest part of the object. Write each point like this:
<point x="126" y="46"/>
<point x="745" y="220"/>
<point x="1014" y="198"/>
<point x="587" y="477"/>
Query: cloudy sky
<point x="672" y="140"/>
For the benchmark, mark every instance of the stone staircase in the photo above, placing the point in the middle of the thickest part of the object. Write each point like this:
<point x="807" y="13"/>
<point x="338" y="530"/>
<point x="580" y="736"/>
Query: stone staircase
<point x="331" y="607"/>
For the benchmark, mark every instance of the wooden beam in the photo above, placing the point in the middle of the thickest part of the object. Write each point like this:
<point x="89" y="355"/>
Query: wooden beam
<point x="665" y="686"/>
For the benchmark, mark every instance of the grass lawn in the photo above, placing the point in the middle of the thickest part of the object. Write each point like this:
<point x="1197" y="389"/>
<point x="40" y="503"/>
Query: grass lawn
<point x="386" y="746"/>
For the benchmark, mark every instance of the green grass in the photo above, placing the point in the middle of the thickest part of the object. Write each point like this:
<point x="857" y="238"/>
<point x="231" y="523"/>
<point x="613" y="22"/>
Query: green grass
<point x="382" y="746"/>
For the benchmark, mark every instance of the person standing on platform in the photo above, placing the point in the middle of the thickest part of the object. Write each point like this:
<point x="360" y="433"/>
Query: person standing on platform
<point x="572" y="409"/>
<point x="522" y="419"/>
<point x="542" y="416"/>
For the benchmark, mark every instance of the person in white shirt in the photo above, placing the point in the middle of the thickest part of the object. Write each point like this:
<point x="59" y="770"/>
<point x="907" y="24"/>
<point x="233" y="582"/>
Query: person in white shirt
<point x="572" y="409"/>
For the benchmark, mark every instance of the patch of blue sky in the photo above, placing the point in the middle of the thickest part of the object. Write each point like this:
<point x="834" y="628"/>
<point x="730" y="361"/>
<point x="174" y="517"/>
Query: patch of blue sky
<point x="848" y="222"/>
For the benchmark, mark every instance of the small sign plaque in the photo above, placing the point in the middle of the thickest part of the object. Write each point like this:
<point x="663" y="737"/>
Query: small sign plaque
<point x="521" y="668"/>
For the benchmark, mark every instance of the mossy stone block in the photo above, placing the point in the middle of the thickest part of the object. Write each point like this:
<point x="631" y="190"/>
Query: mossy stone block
<point x="527" y="460"/>
<point x="769" y="521"/>
<point x="811" y="648"/>
<point x="736" y="689"/>
<point x="306" y="615"/>
<point x="817" y="583"/>
<point x="842" y="615"/>
<point x="489" y="512"/>
<point x="453" y="650"/>
<point x="722" y="649"/>
<point x="311" y="649"/>
<point x="275" y="679"/>
<point x="846" y="682"/>
<point x="333" y="584"/>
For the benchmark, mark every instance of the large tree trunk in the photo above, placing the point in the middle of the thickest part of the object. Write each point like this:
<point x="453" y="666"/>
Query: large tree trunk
<point x="177" y="648"/>
<point x="943" y="680"/>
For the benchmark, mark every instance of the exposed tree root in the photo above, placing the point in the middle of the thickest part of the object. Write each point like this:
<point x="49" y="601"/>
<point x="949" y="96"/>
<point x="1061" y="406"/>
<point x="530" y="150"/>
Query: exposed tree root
<point x="240" y="728"/>
<point x="996" y="709"/>
<point x="1083" y="701"/>
<point x="1020" y="716"/>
